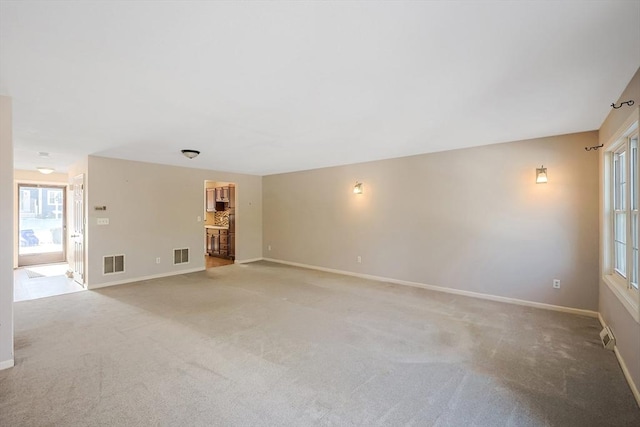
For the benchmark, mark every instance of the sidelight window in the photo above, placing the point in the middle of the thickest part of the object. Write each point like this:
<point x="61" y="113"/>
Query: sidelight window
<point x="624" y="212"/>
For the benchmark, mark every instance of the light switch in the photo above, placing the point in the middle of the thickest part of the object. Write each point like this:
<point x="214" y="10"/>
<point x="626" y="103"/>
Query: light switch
<point x="103" y="221"/>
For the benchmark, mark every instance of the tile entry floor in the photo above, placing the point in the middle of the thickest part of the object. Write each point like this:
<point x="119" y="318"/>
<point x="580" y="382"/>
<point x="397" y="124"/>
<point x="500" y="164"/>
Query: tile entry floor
<point x="39" y="281"/>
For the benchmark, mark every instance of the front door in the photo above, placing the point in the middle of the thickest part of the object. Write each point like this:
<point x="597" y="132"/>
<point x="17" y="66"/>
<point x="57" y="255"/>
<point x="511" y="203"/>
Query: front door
<point x="42" y="227"/>
<point x="77" y="237"/>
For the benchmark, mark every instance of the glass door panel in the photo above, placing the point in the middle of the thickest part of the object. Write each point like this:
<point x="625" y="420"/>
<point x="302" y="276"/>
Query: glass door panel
<point x="42" y="225"/>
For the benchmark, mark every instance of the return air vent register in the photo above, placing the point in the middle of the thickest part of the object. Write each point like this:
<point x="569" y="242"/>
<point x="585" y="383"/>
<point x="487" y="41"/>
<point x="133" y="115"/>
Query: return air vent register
<point x="113" y="264"/>
<point x="181" y="256"/>
<point x="607" y="338"/>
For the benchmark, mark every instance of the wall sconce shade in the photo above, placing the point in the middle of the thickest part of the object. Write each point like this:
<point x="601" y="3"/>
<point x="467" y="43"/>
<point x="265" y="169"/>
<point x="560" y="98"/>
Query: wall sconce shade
<point x="541" y="175"/>
<point x="45" y="170"/>
<point x="190" y="154"/>
<point x="357" y="189"/>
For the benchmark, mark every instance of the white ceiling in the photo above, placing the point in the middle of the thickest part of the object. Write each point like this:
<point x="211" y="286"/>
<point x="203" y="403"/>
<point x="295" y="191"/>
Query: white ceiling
<point x="269" y="87"/>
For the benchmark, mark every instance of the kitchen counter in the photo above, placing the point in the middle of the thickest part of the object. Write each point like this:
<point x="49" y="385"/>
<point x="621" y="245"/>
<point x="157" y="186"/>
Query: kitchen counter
<point x="217" y="227"/>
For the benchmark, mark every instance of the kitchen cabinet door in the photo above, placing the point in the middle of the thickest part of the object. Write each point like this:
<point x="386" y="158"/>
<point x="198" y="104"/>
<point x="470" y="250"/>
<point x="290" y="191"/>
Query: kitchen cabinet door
<point x="215" y="243"/>
<point x="232" y="245"/>
<point x="208" y="240"/>
<point x="232" y="196"/>
<point x="211" y="200"/>
<point x="232" y="221"/>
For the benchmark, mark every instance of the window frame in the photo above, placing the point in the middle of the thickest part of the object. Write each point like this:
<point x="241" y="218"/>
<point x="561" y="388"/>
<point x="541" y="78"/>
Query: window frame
<point x="52" y="195"/>
<point x="618" y="282"/>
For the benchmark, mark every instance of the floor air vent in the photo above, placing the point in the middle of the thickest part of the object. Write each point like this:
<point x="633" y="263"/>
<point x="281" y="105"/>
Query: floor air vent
<point x="113" y="264"/>
<point x="181" y="256"/>
<point x="607" y="338"/>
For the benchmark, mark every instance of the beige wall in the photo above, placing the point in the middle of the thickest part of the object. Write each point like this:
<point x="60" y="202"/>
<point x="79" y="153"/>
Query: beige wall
<point x="6" y="234"/>
<point x="624" y="327"/>
<point x="153" y="209"/>
<point x="470" y="219"/>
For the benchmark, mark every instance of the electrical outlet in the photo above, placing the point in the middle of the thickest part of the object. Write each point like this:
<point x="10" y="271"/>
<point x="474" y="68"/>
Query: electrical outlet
<point x="359" y="259"/>
<point x="158" y="260"/>
<point x="269" y="247"/>
<point x="556" y="283"/>
<point x="199" y="218"/>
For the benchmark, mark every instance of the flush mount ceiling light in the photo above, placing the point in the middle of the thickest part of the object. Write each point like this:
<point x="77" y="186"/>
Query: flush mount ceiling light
<point x="190" y="154"/>
<point x="357" y="189"/>
<point x="541" y="175"/>
<point x="45" y="170"/>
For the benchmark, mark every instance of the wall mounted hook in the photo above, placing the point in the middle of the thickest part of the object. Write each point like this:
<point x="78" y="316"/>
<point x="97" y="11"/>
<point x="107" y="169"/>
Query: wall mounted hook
<point x="629" y="103"/>
<point x="594" y="148"/>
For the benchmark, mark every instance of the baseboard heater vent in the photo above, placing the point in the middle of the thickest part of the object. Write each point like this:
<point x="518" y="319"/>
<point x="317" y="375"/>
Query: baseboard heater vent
<point x="181" y="256"/>
<point x="113" y="264"/>
<point x="607" y="338"/>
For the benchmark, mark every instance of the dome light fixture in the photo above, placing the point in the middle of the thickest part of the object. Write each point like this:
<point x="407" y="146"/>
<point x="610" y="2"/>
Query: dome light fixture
<point x="190" y="154"/>
<point x="45" y="170"/>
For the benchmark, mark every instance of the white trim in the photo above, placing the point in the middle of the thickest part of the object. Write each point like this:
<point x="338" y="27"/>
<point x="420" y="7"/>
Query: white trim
<point x="245" y="261"/>
<point x="139" y="279"/>
<point x="622" y="293"/>
<point x="627" y="375"/>
<point x="623" y="366"/>
<point x="624" y="128"/>
<point x="6" y="364"/>
<point x="624" y="296"/>
<point x="604" y="325"/>
<point x="489" y="297"/>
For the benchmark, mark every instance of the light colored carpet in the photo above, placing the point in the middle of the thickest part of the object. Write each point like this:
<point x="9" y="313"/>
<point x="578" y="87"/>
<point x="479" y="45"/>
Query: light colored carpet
<point x="265" y="344"/>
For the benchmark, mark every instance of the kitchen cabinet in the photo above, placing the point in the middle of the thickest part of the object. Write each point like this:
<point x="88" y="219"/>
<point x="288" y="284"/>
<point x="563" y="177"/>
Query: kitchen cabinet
<point x="232" y="234"/>
<point x="224" y="244"/>
<point x="211" y="200"/>
<point x="232" y="196"/>
<point x="232" y="245"/>
<point x="222" y="194"/>
<point x="213" y="242"/>
<point x="218" y="242"/>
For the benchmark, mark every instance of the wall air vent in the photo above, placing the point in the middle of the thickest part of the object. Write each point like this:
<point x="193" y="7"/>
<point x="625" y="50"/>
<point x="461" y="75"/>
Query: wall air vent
<point x="113" y="264"/>
<point x="607" y="338"/>
<point x="181" y="256"/>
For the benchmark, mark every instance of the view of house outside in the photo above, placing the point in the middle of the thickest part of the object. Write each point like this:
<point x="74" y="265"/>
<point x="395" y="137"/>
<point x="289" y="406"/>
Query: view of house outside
<point x="41" y="219"/>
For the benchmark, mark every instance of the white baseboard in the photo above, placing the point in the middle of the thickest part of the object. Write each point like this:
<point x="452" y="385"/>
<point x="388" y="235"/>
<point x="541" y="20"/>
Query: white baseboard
<point x="139" y="279"/>
<point x="6" y="364"/>
<point x="623" y="366"/>
<point x="245" y="261"/>
<point x="479" y="295"/>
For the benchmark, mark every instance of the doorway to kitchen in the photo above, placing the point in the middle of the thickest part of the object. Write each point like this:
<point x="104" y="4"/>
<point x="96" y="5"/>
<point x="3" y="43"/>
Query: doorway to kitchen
<point x="220" y="223"/>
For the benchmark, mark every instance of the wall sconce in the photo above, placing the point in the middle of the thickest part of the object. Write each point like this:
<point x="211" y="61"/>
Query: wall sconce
<point x="190" y="154"/>
<point x="541" y="175"/>
<point x="357" y="189"/>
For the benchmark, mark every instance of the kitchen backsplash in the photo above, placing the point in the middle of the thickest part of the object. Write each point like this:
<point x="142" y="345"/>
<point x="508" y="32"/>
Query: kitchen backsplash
<point x="221" y="218"/>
